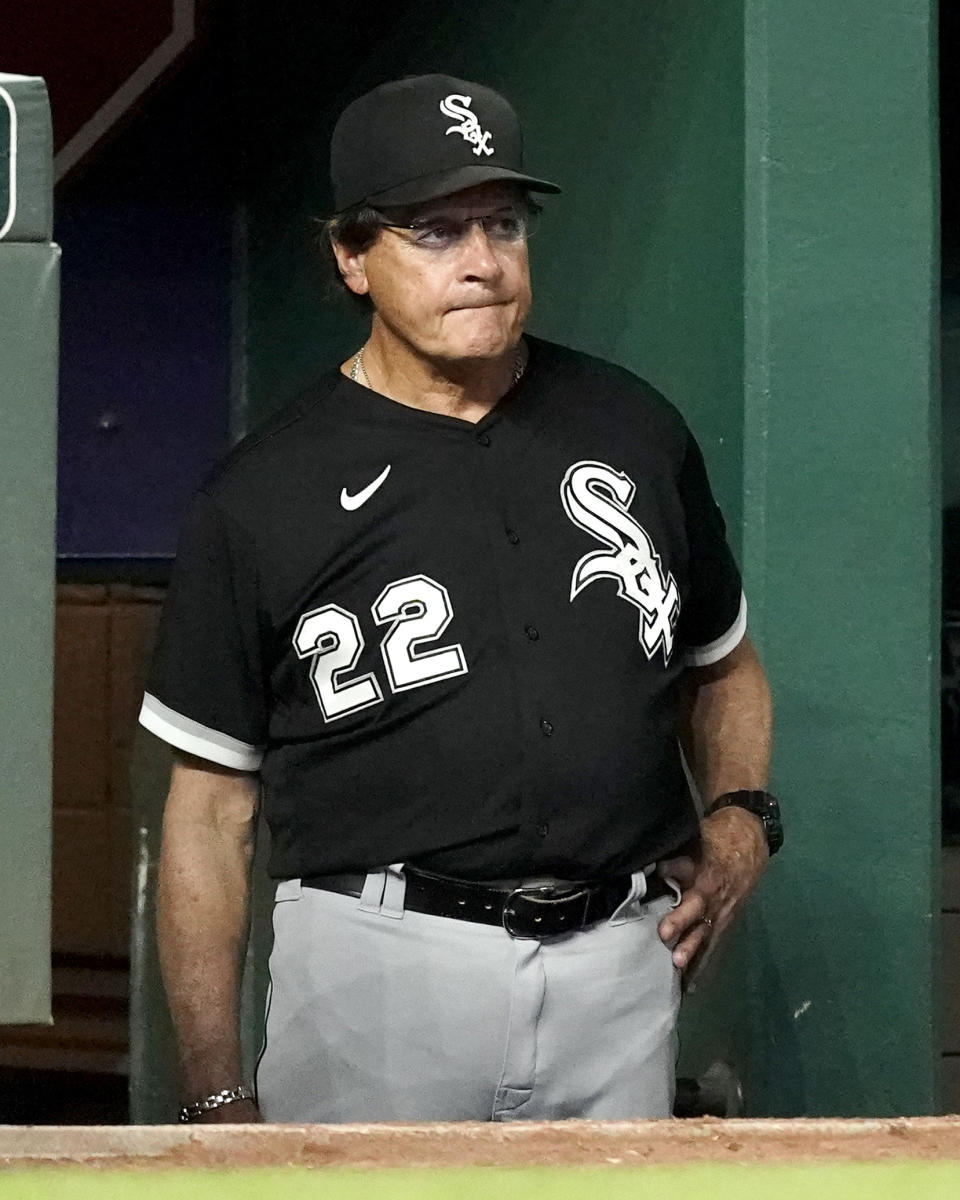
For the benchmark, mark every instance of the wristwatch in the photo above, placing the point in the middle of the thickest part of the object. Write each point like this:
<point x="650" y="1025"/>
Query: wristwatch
<point x="762" y="805"/>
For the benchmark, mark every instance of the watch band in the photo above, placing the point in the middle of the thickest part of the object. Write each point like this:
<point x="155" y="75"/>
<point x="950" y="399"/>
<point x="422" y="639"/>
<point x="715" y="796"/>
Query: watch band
<point x="762" y="805"/>
<point x="196" y="1109"/>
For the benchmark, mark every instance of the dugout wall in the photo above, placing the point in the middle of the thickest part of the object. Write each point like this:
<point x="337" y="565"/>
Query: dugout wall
<point x="29" y="295"/>
<point x="749" y="220"/>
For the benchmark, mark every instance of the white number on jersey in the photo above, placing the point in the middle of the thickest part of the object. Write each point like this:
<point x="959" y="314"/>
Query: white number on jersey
<point x="419" y="611"/>
<point x="332" y="637"/>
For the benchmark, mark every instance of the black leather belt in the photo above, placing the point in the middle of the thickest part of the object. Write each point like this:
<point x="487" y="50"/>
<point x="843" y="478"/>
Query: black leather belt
<point x="527" y="911"/>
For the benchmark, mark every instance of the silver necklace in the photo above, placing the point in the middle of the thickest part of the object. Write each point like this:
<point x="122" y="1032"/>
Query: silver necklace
<point x="358" y="369"/>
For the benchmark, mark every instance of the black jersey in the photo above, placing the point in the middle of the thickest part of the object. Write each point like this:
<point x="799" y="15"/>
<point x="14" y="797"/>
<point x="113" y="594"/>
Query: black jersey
<point x="451" y="644"/>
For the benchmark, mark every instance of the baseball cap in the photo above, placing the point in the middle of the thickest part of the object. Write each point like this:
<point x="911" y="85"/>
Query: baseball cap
<point x="426" y="136"/>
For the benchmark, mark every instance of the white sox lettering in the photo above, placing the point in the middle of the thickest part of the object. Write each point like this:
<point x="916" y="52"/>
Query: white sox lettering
<point x="597" y="498"/>
<point x="458" y="107"/>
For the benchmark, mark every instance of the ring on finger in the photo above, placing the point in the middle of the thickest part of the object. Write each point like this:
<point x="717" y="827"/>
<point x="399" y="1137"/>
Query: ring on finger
<point x="708" y="921"/>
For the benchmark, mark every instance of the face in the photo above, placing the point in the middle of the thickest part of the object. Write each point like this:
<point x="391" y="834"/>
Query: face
<point x="465" y="302"/>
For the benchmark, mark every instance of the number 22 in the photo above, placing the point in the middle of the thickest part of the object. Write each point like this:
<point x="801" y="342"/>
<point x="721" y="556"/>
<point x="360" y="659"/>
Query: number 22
<point x="417" y="610"/>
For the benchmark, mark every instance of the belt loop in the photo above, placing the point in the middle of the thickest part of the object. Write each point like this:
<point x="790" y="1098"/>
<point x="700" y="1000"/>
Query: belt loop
<point x="287" y="889"/>
<point x="372" y="895"/>
<point x="384" y="891"/>
<point x="394" y="891"/>
<point x="638" y="889"/>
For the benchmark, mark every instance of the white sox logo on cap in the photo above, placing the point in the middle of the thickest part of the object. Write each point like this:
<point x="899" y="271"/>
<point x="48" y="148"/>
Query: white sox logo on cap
<point x="469" y="129"/>
<point x="597" y="498"/>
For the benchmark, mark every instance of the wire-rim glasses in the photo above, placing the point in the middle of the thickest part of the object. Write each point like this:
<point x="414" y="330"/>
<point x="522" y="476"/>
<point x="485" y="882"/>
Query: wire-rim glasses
<point x="506" y="226"/>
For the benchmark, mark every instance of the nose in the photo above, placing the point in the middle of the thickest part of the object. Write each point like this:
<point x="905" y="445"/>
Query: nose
<point x="478" y="256"/>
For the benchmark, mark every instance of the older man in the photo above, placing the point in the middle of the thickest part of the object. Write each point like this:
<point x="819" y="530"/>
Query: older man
<point x="451" y="614"/>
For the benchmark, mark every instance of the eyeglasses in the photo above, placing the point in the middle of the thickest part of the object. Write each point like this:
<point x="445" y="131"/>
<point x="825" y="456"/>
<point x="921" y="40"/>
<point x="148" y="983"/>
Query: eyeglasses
<point x="506" y="226"/>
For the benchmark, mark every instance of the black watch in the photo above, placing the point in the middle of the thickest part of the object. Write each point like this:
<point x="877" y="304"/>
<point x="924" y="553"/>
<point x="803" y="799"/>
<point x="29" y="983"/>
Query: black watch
<point x="762" y="805"/>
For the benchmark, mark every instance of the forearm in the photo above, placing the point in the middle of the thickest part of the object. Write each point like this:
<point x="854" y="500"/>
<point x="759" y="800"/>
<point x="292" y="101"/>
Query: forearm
<point x="203" y="921"/>
<point x="726" y="733"/>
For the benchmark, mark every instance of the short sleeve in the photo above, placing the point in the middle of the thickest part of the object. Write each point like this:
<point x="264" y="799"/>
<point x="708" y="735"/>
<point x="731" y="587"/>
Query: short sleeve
<point x="205" y="691"/>
<point x="713" y="619"/>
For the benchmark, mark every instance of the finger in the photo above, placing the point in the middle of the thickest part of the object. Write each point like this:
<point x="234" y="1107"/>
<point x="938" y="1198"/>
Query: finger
<point x="689" y="912"/>
<point x="683" y="869"/>
<point x="697" y="965"/>
<point x="687" y="948"/>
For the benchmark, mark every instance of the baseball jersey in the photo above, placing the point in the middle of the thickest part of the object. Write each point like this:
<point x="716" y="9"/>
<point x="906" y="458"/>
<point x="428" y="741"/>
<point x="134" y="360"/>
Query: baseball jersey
<point x="451" y="644"/>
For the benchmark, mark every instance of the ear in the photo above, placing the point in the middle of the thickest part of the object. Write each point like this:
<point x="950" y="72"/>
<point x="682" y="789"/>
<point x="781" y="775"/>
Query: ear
<point x="351" y="268"/>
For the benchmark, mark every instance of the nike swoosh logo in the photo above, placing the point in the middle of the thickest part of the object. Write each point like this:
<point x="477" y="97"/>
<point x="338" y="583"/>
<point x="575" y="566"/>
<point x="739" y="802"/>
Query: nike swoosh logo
<point x="351" y="502"/>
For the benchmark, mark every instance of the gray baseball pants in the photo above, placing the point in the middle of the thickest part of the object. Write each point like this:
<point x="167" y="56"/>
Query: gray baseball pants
<point x="380" y="1014"/>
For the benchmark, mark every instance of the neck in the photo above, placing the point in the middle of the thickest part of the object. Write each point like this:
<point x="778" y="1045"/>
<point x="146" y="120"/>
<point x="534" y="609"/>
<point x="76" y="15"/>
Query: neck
<point x="467" y="389"/>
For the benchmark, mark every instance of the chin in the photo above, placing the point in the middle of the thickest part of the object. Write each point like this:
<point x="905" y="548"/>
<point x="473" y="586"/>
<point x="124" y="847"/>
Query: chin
<point x="484" y="346"/>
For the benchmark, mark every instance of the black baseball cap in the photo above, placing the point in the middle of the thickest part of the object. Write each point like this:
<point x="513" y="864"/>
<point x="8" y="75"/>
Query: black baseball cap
<point x="427" y="136"/>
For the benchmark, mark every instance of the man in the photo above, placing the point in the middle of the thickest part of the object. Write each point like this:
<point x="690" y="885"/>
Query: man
<point x="449" y="614"/>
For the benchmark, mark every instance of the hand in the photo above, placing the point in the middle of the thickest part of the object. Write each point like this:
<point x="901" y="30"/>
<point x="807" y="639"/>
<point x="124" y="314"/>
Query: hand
<point x="731" y="857"/>
<point x="240" y="1112"/>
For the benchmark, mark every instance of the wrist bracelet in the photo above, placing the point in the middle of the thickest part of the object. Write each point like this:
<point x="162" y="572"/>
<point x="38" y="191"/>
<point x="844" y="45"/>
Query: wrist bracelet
<point x="192" y="1112"/>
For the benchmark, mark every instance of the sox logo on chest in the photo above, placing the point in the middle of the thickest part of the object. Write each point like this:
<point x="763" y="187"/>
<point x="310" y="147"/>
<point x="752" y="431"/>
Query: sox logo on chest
<point x="597" y="499"/>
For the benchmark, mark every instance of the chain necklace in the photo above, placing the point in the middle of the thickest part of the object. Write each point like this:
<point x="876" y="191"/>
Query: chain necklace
<point x="358" y="369"/>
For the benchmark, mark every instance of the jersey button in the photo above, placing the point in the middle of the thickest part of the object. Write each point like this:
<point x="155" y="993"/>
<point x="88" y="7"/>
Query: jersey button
<point x="483" y="439"/>
<point x="532" y="633"/>
<point x="543" y="829"/>
<point x="546" y="728"/>
<point x="512" y="537"/>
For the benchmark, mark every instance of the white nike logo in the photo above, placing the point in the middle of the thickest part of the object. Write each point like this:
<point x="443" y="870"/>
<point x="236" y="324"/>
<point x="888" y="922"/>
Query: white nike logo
<point x="351" y="502"/>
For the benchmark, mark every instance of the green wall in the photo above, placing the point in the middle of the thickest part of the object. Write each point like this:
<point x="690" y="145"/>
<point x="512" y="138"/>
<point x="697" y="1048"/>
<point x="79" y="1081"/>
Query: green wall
<point x="749" y="222"/>
<point x="841" y="545"/>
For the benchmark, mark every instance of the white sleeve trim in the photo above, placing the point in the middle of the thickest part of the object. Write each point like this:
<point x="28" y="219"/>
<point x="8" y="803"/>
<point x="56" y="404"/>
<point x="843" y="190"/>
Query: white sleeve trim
<point x="703" y="656"/>
<point x="185" y="734"/>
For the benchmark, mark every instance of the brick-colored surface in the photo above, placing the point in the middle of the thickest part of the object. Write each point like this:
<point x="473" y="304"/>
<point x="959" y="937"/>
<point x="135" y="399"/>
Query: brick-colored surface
<point x="564" y="1143"/>
<point x="91" y="882"/>
<point x="134" y="618"/>
<point x="104" y="634"/>
<point x="81" y="722"/>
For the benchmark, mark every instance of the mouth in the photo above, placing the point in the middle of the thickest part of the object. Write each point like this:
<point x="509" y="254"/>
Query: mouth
<point x="475" y="307"/>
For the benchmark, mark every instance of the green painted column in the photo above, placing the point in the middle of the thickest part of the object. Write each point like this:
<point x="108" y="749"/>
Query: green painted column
<point x="841" y="509"/>
<point x="29" y="302"/>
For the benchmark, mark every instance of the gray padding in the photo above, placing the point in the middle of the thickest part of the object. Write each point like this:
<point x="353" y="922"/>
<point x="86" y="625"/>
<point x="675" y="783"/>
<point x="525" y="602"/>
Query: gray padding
<point x="26" y="160"/>
<point x="29" y="317"/>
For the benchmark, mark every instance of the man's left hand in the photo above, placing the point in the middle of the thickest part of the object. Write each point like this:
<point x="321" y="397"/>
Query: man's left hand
<point x="731" y="857"/>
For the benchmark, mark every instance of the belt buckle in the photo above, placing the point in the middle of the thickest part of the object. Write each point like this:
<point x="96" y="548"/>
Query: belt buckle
<point x="537" y="894"/>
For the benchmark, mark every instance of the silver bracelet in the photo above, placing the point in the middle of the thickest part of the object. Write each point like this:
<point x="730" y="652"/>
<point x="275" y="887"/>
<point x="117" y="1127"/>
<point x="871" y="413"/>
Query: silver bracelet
<point x="192" y="1112"/>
